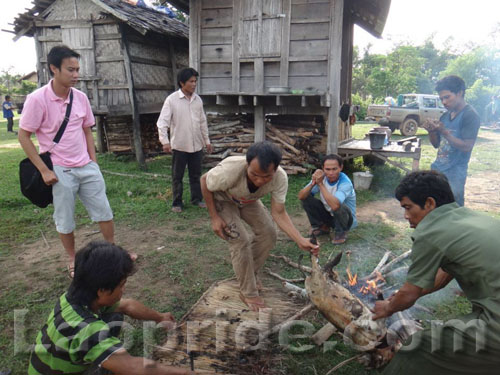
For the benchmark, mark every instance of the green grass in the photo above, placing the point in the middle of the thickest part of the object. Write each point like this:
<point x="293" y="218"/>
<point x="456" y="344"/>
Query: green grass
<point x="173" y="278"/>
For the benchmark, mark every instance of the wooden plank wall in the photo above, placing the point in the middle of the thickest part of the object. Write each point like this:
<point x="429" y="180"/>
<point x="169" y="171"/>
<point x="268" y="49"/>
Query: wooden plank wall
<point x="110" y="68"/>
<point x="215" y="45"/>
<point x="152" y="70"/>
<point x="309" y="44"/>
<point x="293" y="49"/>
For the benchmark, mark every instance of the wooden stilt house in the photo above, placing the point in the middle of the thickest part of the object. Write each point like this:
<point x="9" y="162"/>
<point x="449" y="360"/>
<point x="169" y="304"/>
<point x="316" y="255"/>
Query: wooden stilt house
<point x="279" y="56"/>
<point x="129" y="62"/>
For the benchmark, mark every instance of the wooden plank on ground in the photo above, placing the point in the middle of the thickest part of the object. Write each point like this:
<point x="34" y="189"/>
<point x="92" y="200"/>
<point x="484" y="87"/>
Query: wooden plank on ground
<point x="219" y="326"/>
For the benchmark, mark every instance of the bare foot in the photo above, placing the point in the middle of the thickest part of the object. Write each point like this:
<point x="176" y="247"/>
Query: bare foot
<point x="254" y="303"/>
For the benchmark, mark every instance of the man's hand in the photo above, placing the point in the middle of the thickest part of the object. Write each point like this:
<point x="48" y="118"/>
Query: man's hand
<point x="219" y="227"/>
<point x="318" y="176"/>
<point x="167" y="321"/>
<point x="210" y="149"/>
<point x="49" y="177"/>
<point x="306" y="245"/>
<point x="433" y="125"/>
<point x="167" y="148"/>
<point x="381" y="310"/>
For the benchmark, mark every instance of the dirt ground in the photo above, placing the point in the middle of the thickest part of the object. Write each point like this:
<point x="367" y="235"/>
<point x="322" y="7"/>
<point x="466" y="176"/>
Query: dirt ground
<point x="482" y="193"/>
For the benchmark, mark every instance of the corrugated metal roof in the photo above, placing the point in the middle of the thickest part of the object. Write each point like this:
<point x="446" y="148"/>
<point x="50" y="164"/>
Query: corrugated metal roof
<point x="143" y="20"/>
<point x="371" y="15"/>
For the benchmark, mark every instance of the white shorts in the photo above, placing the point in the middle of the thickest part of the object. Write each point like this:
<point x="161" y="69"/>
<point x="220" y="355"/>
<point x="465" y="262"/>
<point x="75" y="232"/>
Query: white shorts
<point x="88" y="183"/>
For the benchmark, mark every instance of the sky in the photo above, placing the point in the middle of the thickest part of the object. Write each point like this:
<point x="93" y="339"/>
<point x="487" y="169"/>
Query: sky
<point x="409" y="21"/>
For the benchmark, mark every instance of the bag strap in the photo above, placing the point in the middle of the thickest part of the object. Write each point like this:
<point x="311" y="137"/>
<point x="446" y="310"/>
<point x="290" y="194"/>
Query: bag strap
<point x="62" y="128"/>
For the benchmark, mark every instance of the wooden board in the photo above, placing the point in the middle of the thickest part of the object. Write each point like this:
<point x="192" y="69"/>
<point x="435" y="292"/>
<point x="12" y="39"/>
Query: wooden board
<point x="219" y="325"/>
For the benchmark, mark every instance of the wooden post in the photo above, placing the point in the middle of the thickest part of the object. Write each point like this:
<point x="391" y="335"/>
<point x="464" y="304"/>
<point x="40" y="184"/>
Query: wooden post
<point x="195" y="38"/>
<point x="42" y="74"/>
<point x="259" y="75"/>
<point x="173" y="61"/>
<point x="101" y="144"/>
<point x="336" y="17"/>
<point x="235" y="85"/>
<point x="259" y="123"/>
<point x="136" y="121"/>
<point x="285" y="43"/>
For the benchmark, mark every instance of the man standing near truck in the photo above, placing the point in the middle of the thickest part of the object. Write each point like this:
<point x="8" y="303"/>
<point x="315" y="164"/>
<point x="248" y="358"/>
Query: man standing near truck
<point x="8" y="114"/>
<point x="454" y="134"/>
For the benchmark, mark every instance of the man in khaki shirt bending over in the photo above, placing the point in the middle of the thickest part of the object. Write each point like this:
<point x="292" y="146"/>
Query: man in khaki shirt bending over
<point x="232" y="190"/>
<point x="183" y="115"/>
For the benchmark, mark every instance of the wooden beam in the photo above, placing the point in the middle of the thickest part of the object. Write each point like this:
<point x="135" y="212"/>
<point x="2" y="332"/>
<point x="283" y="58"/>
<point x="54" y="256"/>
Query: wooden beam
<point x="336" y="17"/>
<point x="259" y="75"/>
<point x="39" y="66"/>
<point x="285" y="43"/>
<point x="259" y="123"/>
<point x="235" y="65"/>
<point x="136" y="121"/>
<point x="195" y="38"/>
<point x="173" y="61"/>
<point x="100" y="138"/>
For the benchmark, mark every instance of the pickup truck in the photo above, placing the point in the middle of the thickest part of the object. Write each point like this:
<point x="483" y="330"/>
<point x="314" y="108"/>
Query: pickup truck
<point x="415" y="109"/>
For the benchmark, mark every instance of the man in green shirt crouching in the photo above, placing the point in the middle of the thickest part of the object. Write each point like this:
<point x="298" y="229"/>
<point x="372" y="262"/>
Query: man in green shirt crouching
<point x="81" y="332"/>
<point x="449" y="242"/>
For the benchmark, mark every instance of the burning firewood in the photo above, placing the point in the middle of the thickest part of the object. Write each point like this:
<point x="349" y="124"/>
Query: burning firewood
<point x="344" y="310"/>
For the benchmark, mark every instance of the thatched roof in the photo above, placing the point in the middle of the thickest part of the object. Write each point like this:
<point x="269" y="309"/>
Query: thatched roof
<point x="143" y="20"/>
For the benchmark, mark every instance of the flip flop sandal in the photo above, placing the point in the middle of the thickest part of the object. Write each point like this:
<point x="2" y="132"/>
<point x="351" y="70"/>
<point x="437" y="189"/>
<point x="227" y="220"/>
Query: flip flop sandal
<point x="254" y="306"/>
<point x="318" y="232"/>
<point x="340" y="238"/>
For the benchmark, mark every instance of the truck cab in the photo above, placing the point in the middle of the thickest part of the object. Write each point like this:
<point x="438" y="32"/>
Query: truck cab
<point x="411" y="112"/>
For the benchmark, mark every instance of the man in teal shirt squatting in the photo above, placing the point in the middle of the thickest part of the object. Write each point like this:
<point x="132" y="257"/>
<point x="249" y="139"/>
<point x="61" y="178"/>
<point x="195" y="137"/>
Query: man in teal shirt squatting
<point x="449" y="242"/>
<point x="336" y="207"/>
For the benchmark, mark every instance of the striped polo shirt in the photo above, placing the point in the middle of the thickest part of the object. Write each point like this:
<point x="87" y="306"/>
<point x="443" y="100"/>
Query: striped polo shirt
<point x="73" y="339"/>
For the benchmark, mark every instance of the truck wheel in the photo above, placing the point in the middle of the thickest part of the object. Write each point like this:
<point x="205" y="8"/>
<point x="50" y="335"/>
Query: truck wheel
<point x="409" y="127"/>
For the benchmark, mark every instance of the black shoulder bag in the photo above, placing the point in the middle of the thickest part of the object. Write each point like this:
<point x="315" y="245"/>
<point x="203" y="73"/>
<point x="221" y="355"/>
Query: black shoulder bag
<point x="32" y="185"/>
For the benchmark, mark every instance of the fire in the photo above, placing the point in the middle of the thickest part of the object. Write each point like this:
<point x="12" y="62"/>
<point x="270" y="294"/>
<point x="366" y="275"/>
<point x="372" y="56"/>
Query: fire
<point x="353" y="280"/>
<point x="371" y="285"/>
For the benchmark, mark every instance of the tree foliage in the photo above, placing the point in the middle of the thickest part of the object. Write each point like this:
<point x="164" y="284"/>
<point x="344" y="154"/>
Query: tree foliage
<point x="416" y="69"/>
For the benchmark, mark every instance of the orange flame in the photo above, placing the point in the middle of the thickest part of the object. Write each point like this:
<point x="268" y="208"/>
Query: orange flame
<point x="371" y="285"/>
<point x="353" y="280"/>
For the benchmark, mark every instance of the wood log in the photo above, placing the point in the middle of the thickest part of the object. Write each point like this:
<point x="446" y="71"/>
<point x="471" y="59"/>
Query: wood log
<point x="292" y="263"/>
<point x="224" y="125"/>
<point x="323" y="334"/>
<point x="281" y="278"/>
<point x="231" y="144"/>
<point x="294" y="150"/>
<point x="394" y="261"/>
<point x="379" y="266"/>
<point x="344" y="310"/>
<point x="294" y="288"/>
<point x="281" y="135"/>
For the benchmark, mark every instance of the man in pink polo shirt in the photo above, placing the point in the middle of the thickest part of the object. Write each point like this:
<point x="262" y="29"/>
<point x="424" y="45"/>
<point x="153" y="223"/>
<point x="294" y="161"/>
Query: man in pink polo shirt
<point x="74" y="158"/>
